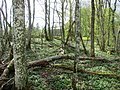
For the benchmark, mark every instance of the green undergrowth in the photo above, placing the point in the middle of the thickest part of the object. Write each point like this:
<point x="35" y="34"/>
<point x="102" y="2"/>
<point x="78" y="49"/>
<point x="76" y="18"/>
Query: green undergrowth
<point x="49" y="78"/>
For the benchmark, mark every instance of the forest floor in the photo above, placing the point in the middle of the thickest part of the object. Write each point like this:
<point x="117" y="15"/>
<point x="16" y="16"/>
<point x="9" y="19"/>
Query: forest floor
<point x="51" y="78"/>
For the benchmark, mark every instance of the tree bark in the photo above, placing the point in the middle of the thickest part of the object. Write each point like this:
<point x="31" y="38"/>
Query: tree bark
<point x="92" y="28"/>
<point x="29" y="27"/>
<point x="118" y="41"/>
<point x="49" y="29"/>
<point x="63" y="31"/>
<point x="1" y="38"/>
<point x="19" y="45"/>
<point x="109" y="22"/>
<point x="45" y="31"/>
<point x="113" y="24"/>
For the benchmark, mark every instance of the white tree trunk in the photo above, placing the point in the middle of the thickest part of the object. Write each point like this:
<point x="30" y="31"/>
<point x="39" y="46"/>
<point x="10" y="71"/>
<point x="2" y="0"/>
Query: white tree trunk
<point x="19" y="44"/>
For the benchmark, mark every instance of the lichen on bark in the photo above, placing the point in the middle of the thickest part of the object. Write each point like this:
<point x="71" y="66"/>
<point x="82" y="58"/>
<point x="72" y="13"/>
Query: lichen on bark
<point x="19" y="44"/>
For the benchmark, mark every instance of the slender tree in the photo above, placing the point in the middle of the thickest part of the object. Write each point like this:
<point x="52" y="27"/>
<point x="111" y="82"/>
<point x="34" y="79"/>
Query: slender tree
<point x="118" y="41"/>
<point x="113" y="24"/>
<point x="30" y="26"/>
<point x="0" y="37"/>
<point x="77" y="41"/>
<point x="30" y="22"/>
<point x="49" y="31"/>
<point x="6" y="27"/>
<point x="19" y="44"/>
<point x="63" y="31"/>
<point x="92" y="28"/>
<point x="46" y="12"/>
<point x="113" y="9"/>
<point x="109" y="23"/>
<point x="53" y="17"/>
<point x="70" y="22"/>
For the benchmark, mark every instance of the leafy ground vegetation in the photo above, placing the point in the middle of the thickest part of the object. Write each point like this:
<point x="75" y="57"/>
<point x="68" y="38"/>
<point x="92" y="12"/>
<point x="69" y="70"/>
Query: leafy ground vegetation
<point x="57" y="75"/>
<point x="96" y="74"/>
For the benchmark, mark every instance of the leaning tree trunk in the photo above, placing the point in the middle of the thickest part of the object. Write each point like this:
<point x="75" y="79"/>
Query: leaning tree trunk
<point x="19" y="44"/>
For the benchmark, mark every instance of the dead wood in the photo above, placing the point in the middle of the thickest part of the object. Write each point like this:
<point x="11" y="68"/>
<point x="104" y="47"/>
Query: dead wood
<point x="111" y="75"/>
<point x="46" y="61"/>
<point x="66" y="57"/>
<point x="4" y="77"/>
<point x="8" y="68"/>
<point x="8" y="85"/>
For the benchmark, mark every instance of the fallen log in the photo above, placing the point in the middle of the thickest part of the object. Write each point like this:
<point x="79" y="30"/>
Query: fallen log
<point x="49" y="59"/>
<point x="66" y="57"/>
<point x="6" y="72"/>
<point x="46" y="61"/>
<point x="8" y="68"/>
<point x="42" y="63"/>
<point x="111" y="75"/>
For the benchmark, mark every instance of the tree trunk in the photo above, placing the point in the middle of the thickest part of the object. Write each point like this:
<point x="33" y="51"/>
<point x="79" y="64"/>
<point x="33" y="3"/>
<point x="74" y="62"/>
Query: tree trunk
<point x="53" y="18"/>
<point x="118" y="41"/>
<point x="45" y="31"/>
<point x="113" y="29"/>
<point x="77" y="43"/>
<point x="6" y="25"/>
<point x="63" y="31"/>
<point x="19" y="45"/>
<point x="109" y="22"/>
<point x="30" y="26"/>
<point x="102" y="14"/>
<point x="49" y="29"/>
<point x="92" y="28"/>
<point x="1" y="35"/>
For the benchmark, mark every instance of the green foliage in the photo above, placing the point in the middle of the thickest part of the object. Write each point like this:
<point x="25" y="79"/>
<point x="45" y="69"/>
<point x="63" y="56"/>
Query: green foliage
<point x="60" y="82"/>
<point x="37" y="82"/>
<point x="85" y="21"/>
<point x="86" y="38"/>
<point x="100" y="69"/>
<point x="102" y="83"/>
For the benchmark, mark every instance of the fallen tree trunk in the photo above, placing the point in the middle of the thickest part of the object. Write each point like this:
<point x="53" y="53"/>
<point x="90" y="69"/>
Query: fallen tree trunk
<point x="66" y="56"/>
<point x="8" y="68"/>
<point x="49" y="59"/>
<point x="46" y="61"/>
<point x="111" y="75"/>
<point x="4" y="77"/>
